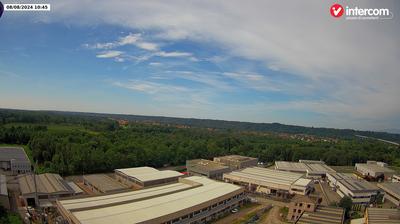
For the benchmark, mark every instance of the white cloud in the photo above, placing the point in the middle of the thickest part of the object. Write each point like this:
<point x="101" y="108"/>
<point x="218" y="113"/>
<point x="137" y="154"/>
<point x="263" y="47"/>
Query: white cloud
<point x="129" y="39"/>
<point x="147" y="46"/>
<point x="173" y="54"/>
<point x="151" y="87"/>
<point x="135" y="39"/>
<point x="350" y="64"/>
<point x="156" y="64"/>
<point x="109" y="54"/>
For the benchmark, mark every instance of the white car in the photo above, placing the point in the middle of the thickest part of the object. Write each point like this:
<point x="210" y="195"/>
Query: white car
<point x="235" y="210"/>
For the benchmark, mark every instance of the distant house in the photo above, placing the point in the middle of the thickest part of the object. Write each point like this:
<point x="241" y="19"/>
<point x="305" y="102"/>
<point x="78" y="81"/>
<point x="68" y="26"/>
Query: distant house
<point x="15" y="160"/>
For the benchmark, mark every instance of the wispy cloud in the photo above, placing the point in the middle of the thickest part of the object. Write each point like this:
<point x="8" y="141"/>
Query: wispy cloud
<point x="151" y="49"/>
<point x="131" y="39"/>
<point x="173" y="54"/>
<point x="109" y="54"/>
<point x="357" y="75"/>
<point x="150" y="87"/>
<point x="156" y="64"/>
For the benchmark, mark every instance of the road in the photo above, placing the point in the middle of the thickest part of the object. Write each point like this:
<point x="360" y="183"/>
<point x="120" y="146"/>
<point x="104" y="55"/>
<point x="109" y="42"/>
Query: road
<point x="231" y="218"/>
<point x="273" y="216"/>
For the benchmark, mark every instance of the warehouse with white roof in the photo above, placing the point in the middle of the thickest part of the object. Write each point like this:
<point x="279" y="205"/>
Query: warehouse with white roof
<point x="48" y="188"/>
<point x="361" y="191"/>
<point x="374" y="170"/>
<point x="392" y="192"/>
<point x="146" y="176"/>
<point x="269" y="181"/>
<point x="192" y="200"/>
<point x="312" y="169"/>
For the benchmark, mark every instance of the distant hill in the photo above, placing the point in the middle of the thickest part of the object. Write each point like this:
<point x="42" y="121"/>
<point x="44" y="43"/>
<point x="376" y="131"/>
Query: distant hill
<point x="7" y="115"/>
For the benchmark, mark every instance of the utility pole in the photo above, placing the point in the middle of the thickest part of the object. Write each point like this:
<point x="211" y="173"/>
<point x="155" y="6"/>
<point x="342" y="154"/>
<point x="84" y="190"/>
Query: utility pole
<point x="34" y="181"/>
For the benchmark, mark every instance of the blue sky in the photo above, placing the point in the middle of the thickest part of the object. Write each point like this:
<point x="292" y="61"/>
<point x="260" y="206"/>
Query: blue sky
<point x="261" y="62"/>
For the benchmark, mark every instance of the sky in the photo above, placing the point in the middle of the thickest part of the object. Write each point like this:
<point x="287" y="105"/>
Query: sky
<point x="259" y="61"/>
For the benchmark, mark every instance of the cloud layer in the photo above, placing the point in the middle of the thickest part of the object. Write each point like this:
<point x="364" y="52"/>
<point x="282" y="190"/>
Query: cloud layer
<point x="348" y="69"/>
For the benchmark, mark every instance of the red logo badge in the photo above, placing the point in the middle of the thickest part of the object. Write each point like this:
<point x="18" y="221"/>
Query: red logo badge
<point x="337" y="10"/>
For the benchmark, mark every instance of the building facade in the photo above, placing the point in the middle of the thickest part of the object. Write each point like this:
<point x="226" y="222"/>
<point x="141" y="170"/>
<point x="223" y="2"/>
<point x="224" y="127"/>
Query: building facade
<point x="359" y="190"/>
<point x="103" y="184"/>
<point x="268" y="181"/>
<point x="374" y="170"/>
<point x="4" y="199"/>
<point x="299" y="205"/>
<point x="14" y="160"/>
<point x="192" y="200"/>
<point x="141" y="177"/>
<point x="392" y="192"/>
<point x="208" y="168"/>
<point x="43" y="188"/>
<point x="236" y="162"/>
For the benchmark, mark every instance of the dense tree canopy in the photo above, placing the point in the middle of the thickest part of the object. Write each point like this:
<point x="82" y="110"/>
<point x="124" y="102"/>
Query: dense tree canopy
<point x="74" y="144"/>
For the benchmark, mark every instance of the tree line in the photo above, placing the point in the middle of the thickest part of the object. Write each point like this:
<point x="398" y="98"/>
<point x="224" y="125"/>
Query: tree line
<point x="89" y="145"/>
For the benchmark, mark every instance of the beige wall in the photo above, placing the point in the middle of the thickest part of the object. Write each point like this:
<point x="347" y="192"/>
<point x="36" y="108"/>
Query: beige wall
<point x="297" y="208"/>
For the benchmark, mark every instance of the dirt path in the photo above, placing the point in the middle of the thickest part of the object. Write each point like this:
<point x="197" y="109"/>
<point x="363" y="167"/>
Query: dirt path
<point x="231" y="218"/>
<point x="272" y="216"/>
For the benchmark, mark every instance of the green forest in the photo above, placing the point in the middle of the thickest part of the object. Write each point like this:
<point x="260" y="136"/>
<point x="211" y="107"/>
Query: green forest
<point x="76" y="143"/>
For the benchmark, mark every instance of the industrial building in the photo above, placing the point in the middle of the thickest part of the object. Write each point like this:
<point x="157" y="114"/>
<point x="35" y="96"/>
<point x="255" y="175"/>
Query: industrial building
<point x="306" y="210"/>
<point x="361" y="191"/>
<point x="382" y="216"/>
<point x="312" y="169"/>
<point x="146" y="176"/>
<point x="103" y="184"/>
<point x="374" y="170"/>
<point x="396" y="178"/>
<point x="4" y="200"/>
<point x="392" y="192"/>
<point x="208" y="168"/>
<point x="48" y="188"/>
<point x="14" y="160"/>
<point x="300" y="204"/>
<point x="268" y="181"/>
<point x="322" y="215"/>
<point x="236" y="162"/>
<point x="192" y="200"/>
